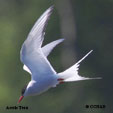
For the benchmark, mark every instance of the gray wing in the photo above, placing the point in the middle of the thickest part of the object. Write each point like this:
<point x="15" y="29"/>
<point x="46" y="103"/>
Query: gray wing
<point x="31" y="53"/>
<point x="49" y="47"/>
<point x="46" y="51"/>
<point x="36" y="35"/>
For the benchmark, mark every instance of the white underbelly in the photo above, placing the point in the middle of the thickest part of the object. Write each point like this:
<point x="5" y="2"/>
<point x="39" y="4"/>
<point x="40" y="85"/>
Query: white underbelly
<point x="41" y="86"/>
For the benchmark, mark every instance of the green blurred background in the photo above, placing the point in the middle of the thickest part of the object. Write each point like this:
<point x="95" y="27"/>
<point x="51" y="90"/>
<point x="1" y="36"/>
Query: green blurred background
<point x="86" y="25"/>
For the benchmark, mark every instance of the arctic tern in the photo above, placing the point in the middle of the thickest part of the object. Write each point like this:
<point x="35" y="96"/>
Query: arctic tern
<point x="34" y="58"/>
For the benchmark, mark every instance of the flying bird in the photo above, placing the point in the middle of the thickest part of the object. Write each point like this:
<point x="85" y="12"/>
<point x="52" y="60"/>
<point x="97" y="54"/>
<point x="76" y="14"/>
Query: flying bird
<point x="34" y="58"/>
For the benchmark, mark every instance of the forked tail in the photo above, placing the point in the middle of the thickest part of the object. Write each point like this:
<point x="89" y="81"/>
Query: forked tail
<point x="71" y="74"/>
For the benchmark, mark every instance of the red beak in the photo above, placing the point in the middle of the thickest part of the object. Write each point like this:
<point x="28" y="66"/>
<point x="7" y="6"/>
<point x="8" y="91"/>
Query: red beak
<point x="21" y="97"/>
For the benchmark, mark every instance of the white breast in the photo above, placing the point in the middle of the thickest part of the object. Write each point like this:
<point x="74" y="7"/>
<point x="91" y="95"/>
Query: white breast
<point x="40" y="86"/>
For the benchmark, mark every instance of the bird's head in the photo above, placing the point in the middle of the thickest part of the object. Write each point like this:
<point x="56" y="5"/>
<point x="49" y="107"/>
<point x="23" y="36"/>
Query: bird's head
<point x="22" y="93"/>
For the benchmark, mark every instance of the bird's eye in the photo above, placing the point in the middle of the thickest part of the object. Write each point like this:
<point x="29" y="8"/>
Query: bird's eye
<point x="23" y="90"/>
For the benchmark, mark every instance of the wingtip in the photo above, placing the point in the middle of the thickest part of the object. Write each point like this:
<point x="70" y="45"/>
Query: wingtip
<point x="62" y="39"/>
<point x="51" y="8"/>
<point x="49" y="11"/>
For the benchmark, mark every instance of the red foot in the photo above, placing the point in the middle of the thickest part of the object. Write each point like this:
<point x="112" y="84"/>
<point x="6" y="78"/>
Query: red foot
<point x="60" y="80"/>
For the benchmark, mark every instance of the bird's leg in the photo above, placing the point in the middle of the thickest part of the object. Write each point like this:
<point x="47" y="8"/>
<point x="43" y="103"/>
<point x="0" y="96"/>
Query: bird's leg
<point x="61" y="80"/>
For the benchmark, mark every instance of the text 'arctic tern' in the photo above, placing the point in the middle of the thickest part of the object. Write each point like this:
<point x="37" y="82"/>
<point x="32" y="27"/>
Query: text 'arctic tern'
<point x="34" y="58"/>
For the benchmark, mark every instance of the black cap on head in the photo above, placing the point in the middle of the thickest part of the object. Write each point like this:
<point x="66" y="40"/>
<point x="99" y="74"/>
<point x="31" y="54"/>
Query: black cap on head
<point x="23" y="90"/>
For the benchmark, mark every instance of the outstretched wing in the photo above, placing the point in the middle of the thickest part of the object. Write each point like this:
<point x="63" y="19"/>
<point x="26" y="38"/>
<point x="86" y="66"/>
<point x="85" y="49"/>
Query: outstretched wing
<point x="31" y="53"/>
<point x="49" y="47"/>
<point x="46" y="51"/>
<point x="36" y="35"/>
